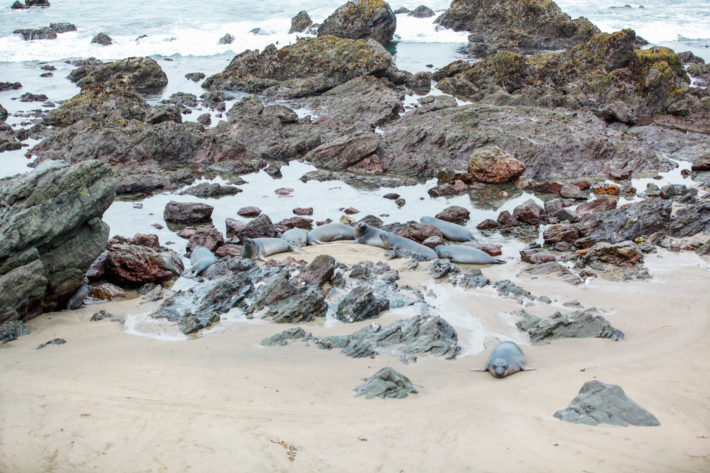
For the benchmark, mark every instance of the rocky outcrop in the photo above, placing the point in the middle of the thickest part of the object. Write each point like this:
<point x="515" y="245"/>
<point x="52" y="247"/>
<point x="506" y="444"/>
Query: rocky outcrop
<point x="308" y="67"/>
<point x="515" y="25"/>
<point x="103" y="39"/>
<point x="50" y="222"/>
<point x="599" y="403"/>
<point x="142" y="73"/>
<point x="386" y="383"/>
<point x="107" y="102"/>
<point x="300" y="22"/>
<point x="47" y="32"/>
<point x="578" y="324"/>
<point x="361" y="19"/>
<point x="492" y="165"/>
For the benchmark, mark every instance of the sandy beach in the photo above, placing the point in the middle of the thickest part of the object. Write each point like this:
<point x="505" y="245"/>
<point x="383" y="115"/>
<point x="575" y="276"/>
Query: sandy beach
<point x="114" y="402"/>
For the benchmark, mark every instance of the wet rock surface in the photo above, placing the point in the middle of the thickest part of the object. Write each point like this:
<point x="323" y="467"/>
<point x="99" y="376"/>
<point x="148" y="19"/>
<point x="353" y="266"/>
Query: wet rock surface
<point x="577" y="324"/>
<point x="386" y="383"/>
<point x="12" y="329"/>
<point x="361" y="19"/>
<point x="599" y="403"/>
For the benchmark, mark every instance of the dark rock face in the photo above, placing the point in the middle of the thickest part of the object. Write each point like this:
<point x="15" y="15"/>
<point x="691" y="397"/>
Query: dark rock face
<point x="187" y="212"/>
<point x="578" y="324"/>
<point x="491" y="164"/>
<point x="422" y="11"/>
<point x="319" y="271"/>
<point x="226" y="39"/>
<point x="599" y="403"/>
<point x="143" y="73"/>
<point x="47" y="32"/>
<point x="300" y="22"/>
<point x="136" y="265"/>
<point x="386" y="383"/>
<point x="515" y="25"/>
<point x="359" y="304"/>
<point x="259" y="227"/>
<point x="103" y="39"/>
<point x="305" y="68"/>
<point x="51" y="232"/>
<point x="361" y="19"/>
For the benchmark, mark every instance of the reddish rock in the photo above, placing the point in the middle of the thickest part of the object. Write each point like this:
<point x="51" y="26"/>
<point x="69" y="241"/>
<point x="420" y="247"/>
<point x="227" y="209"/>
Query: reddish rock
<point x="249" y="212"/>
<point x="620" y="174"/>
<point x="284" y="191"/>
<point x="528" y="212"/>
<point x="572" y="191"/>
<point x="319" y="271"/>
<point x="493" y="250"/>
<point x="303" y="211"/>
<point x="492" y="165"/>
<point x="433" y="241"/>
<point x="259" y="227"/>
<point x="542" y="187"/>
<point x="135" y="265"/>
<point x="296" y="222"/>
<point x="351" y="211"/>
<point x="419" y="231"/>
<point x="107" y="292"/>
<point x="488" y="224"/>
<point x="207" y="236"/>
<point x="454" y="214"/>
<point x="228" y="249"/>
<point x="557" y="233"/>
<point x="234" y="226"/>
<point x="187" y="212"/>
<point x="186" y="232"/>
<point x="583" y="184"/>
<point x="597" y="205"/>
<point x="537" y="256"/>
<point x="457" y="188"/>
<point x="506" y="219"/>
<point x="606" y="189"/>
<point x="150" y="240"/>
<point x="562" y="246"/>
<point x="391" y="196"/>
<point x="624" y="254"/>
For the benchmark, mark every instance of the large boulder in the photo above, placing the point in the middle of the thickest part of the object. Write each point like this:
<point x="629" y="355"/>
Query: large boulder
<point x="136" y="265"/>
<point x="300" y="22"/>
<point x="308" y="67"/>
<point x="515" y="25"/>
<point x="492" y="165"/>
<point x="46" y="32"/>
<point x="143" y="73"/>
<point x="361" y="19"/>
<point x="51" y="231"/>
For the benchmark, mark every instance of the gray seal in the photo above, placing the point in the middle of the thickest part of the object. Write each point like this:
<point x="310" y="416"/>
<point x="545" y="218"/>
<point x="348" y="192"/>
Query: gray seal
<point x="296" y="236"/>
<point x="330" y="232"/>
<point x="78" y="297"/>
<point x="465" y="255"/>
<point x="506" y="358"/>
<point x="451" y="231"/>
<point x="260" y="248"/>
<point x="201" y="258"/>
<point x="390" y="240"/>
<point x="368" y="235"/>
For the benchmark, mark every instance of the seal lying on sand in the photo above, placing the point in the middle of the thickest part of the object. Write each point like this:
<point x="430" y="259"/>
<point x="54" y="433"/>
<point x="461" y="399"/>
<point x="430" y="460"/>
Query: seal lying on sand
<point x="451" y="231"/>
<point x="201" y="258"/>
<point x="465" y="255"/>
<point x="330" y="232"/>
<point x="78" y="297"/>
<point x="368" y="235"/>
<point x="390" y="240"/>
<point x="296" y="236"/>
<point x="505" y="359"/>
<point x="260" y="248"/>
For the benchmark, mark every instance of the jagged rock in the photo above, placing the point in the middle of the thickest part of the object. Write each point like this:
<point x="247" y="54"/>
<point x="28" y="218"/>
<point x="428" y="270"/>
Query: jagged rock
<point x="143" y="73"/>
<point x="599" y="403"/>
<point x="419" y="232"/>
<point x="47" y="32"/>
<point x="344" y="152"/>
<point x="135" y="265"/>
<point x="207" y="236"/>
<point x="163" y="113"/>
<point x="420" y="82"/>
<point x="319" y="271"/>
<point x="359" y="304"/>
<point x="537" y="256"/>
<point x="260" y="226"/>
<point x="454" y="214"/>
<point x="361" y="19"/>
<point x="300" y="307"/>
<point x="101" y="103"/>
<point x="600" y="204"/>
<point x="300" y="22"/>
<point x="471" y="279"/>
<point x="102" y="39"/>
<point x="187" y="212"/>
<point x="442" y="267"/>
<point x="12" y="329"/>
<point x="577" y="324"/>
<point x="300" y="69"/>
<point x="528" y="212"/>
<point x="564" y="232"/>
<point x="625" y="254"/>
<point x="3" y="114"/>
<point x="296" y="333"/>
<point x="508" y="288"/>
<point x="195" y="76"/>
<point x="422" y="11"/>
<point x="226" y="39"/>
<point x="637" y="219"/>
<point x="386" y="383"/>
<point x="211" y="189"/>
<point x="9" y="86"/>
<point x="50" y="233"/>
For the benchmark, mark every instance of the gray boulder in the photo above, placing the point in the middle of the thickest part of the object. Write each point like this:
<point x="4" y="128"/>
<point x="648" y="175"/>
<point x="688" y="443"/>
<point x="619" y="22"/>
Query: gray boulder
<point x="577" y="324"/>
<point x="103" y="39"/>
<point x="599" y="403"/>
<point x="300" y="22"/>
<point x="359" y="304"/>
<point x="386" y="383"/>
<point x="50" y="233"/>
<point x="143" y="73"/>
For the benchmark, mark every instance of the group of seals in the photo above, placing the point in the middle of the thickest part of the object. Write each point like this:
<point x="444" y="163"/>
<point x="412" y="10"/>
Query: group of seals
<point x="505" y="359"/>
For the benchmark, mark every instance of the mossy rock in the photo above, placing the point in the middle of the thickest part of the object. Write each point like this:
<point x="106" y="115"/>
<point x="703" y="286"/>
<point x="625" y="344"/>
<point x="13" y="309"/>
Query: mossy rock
<point x="361" y="19"/>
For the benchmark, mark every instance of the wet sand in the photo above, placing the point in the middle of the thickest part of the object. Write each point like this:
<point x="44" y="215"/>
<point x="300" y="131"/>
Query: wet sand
<point x="113" y="402"/>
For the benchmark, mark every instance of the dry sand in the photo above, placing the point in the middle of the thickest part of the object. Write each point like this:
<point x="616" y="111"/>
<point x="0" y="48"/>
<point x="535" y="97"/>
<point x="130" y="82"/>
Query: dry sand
<point x="111" y="402"/>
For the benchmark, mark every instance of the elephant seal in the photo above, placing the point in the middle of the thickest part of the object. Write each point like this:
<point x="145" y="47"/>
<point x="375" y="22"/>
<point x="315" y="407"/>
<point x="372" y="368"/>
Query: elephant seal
<point x="368" y="235"/>
<point x="506" y="358"/>
<point x="465" y="255"/>
<point x="390" y="240"/>
<point x="78" y="297"/>
<point x="201" y="258"/>
<point x="330" y="232"/>
<point x="296" y="236"/>
<point x="260" y="248"/>
<point x="451" y="231"/>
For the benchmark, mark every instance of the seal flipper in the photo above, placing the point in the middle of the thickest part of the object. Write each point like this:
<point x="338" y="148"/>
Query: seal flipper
<point x="526" y="368"/>
<point x="295" y="248"/>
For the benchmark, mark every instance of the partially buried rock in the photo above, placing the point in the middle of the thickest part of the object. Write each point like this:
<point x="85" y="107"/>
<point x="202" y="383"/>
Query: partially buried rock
<point x="386" y="383"/>
<point x="211" y="189"/>
<point x="624" y="254"/>
<point x="492" y="165"/>
<point x="226" y="39"/>
<point x="107" y="292"/>
<point x="577" y="324"/>
<point x="599" y="403"/>
<point x="187" y="212"/>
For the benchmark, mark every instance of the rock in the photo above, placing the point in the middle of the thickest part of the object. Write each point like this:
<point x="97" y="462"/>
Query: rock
<point x="300" y="22"/>
<point x="454" y="214"/>
<point x="205" y="119"/>
<point x="143" y="73"/>
<point x="528" y="212"/>
<point x="509" y="289"/>
<point x="386" y="383"/>
<point x="9" y="86"/>
<point x="303" y="211"/>
<point x="537" y="256"/>
<point x="12" y="329"/>
<point x="300" y="307"/>
<point x="136" y="265"/>
<point x="442" y="267"/>
<point x="28" y="97"/>
<point x="702" y="163"/>
<point x="249" y="211"/>
<point x="226" y="39"/>
<point x="471" y="279"/>
<point x="141" y="239"/>
<point x="107" y="292"/>
<point x="565" y="232"/>
<point x="54" y="341"/>
<point x="515" y="25"/>
<point x="319" y="271"/>
<point x="599" y="403"/>
<point x="163" y="113"/>
<point x="421" y="83"/>
<point x="207" y="236"/>
<point x="3" y="114"/>
<point x="401" y="10"/>
<point x="195" y="76"/>
<point x="234" y="227"/>
<point x="360" y="304"/>
<point x="344" y="152"/>
<point x="361" y="19"/>
<point x="419" y="232"/>
<point x="442" y="190"/>
<point x="228" y="250"/>
<point x="571" y="191"/>
<point x="491" y="164"/>
<point x="295" y="333"/>
<point x="295" y="222"/>
<point x="102" y="39"/>
<point x="577" y="324"/>
<point x="259" y="227"/>
<point x="422" y="11"/>
<point x="606" y="189"/>
<point x="187" y="212"/>
<point x="47" y="32"/>
<point x="624" y="254"/>
<point x="299" y="70"/>
<point x="50" y="233"/>
<point x="211" y="189"/>
<point x="601" y="204"/>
